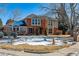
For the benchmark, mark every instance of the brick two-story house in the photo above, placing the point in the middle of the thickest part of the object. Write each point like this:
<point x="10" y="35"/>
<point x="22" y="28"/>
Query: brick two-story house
<point x="34" y="25"/>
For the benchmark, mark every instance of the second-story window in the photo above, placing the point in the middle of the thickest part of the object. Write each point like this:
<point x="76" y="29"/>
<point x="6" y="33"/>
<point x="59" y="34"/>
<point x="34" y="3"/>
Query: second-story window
<point x="33" y="21"/>
<point x="50" y="22"/>
<point x="36" y="22"/>
<point x="39" y="21"/>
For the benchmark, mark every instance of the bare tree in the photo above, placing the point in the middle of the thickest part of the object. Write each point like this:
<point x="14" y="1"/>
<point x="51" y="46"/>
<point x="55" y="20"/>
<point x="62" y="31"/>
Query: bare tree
<point x="73" y="16"/>
<point x="67" y="14"/>
<point x="59" y="11"/>
<point x="16" y="14"/>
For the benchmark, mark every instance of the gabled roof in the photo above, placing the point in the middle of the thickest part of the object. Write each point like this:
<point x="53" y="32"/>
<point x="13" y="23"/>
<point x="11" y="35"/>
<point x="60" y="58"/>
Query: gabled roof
<point x="39" y="16"/>
<point x="31" y="16"/>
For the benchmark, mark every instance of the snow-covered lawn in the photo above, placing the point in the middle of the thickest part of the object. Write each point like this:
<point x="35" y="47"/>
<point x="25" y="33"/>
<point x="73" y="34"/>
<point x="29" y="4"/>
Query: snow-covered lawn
<point x="33" y="43"/>
<point x="37" y="41"/>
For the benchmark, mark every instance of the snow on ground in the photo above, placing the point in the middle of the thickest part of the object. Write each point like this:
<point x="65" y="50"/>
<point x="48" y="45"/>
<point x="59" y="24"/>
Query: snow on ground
<point x="35" y="40"/>
<point x="33" y="43"/>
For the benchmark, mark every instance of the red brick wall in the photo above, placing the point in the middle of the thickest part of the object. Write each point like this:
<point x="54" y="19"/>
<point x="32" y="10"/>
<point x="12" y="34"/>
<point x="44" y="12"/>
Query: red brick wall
<point x="43" y="24"/>
<point x="28" y="21"/>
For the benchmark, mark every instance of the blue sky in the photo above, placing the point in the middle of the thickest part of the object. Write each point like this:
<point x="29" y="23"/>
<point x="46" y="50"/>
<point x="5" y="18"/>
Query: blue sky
<point x="24" y="10"/>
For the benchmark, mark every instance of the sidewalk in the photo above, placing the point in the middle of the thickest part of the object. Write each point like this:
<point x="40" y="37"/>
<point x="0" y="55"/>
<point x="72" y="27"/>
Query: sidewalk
<point x="72" y="50"/>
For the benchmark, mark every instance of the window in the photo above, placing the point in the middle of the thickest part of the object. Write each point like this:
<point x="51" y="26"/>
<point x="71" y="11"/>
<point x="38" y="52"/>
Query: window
<point x="39" y="21"/>
<point x="16" y="29"/>
<point x="50" y="31"/>
<point x="30" y="30"/>
<point x="22" y="29"/>
<point x="50" y="22"/>
<point x="36" y="21"/>
<point x="33" y="20"/>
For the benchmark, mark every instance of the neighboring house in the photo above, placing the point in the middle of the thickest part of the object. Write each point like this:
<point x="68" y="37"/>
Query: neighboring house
<point x="34" y="25"/>
<point x="9" y="22"/>
<point x="8" y="25"/>
<point x="18" y="26"/>
<point x="52" y="25"/>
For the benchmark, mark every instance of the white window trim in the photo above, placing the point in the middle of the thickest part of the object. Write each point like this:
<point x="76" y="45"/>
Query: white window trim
<point x="37" y="22"/>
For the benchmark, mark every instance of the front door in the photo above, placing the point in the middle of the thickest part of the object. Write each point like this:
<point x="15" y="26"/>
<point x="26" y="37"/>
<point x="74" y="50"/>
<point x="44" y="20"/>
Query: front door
<point x="30" y="31"/>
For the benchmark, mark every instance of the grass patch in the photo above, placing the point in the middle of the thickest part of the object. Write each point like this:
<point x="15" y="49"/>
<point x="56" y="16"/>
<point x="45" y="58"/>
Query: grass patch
<point x="33" y="48"/>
